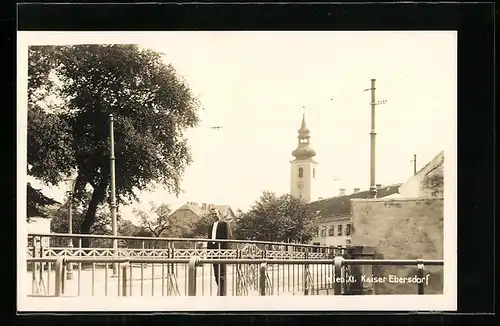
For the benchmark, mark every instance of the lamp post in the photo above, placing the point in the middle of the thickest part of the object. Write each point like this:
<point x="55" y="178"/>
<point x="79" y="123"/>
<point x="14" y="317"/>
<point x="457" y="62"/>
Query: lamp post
<point x="113" y="191"/>
<point x="70" y="185"/>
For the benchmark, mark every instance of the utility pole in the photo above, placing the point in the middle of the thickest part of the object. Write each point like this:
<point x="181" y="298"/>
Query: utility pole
<point x="113" y="192"/>
<point x="373" y="103"/>
<point x="414" y="164"/>
<point x="373" y="188"/>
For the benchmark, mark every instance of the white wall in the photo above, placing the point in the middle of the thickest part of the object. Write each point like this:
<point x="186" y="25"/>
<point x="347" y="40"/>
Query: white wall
<point x="336" y="240"/>
<point x="308" y="180"/>
<point x="412" y="187"/>
<point x="39" y="225"/>
<point x="332" y="241"/>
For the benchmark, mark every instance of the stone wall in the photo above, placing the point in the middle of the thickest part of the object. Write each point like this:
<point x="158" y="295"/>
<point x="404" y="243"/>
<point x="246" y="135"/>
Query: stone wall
<point x="401" y="229"/>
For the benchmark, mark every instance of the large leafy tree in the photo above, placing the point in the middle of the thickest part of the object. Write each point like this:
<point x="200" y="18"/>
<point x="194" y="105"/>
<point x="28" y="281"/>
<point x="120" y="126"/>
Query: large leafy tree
<point x="200" y="227"/>
<point x="433" y="183"/>
<point x="38" y="205"/>
<point x="160" y="222"/>
<point x="101" y="225"/>
<point x="60" y="217"/>
<point x="72" y="90"/>
<point x="276" y="218"/>
<point x="202" y="224"/>
<point x="127" y="228"/>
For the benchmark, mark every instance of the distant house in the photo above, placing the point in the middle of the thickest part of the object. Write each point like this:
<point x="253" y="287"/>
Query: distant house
<point x="194" y="210"/>
<point x="416" y="185"/>
<point x="333" y="215"/>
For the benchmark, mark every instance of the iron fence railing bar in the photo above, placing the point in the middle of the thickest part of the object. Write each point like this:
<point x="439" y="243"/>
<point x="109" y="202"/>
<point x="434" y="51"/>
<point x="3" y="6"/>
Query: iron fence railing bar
<point x="161" y="239"/>
<point x="373" y="262"/>
<point x="393" y="262"/>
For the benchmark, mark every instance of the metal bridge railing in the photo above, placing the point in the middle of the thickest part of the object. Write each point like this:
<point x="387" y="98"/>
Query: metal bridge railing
<point x="196" y="276"/>
<point x="54" y="245"/>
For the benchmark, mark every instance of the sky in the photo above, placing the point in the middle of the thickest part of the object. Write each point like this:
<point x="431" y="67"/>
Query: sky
<point x="257" y="85"/>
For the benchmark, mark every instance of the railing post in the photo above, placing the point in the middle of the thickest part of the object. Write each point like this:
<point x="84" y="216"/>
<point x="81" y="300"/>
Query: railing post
<point x="262" y="278"/>
<point x="358" y="287"/>
<point x="124" y="278"/>
<point x="193" y="262"/>
<point x="331" y="252"/>
<point x="59" y="283"/>
<point x="238" y="273"/>
<point x="420" y="276"/>
<point x="37" y="253"/>
<point x="337" y="281"/>
<point x="37" y="247"/>
<point x="306" y="273"/>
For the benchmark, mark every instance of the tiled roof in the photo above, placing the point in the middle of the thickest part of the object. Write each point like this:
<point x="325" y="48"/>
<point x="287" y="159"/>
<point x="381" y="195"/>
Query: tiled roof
<point x="200" y="211"/>
<point x="194" y="208"/>
<point x="340" y="206"/>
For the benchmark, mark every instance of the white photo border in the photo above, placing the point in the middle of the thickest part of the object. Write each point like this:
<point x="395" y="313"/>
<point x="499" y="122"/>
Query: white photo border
<point x="444" y="302"/>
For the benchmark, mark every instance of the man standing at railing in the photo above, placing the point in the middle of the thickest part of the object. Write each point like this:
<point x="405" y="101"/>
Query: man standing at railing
<point x="220" y="229"/>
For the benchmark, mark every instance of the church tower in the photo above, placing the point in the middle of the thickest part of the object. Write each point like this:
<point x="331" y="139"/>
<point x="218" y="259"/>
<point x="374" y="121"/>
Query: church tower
<point x="303" y="169"/>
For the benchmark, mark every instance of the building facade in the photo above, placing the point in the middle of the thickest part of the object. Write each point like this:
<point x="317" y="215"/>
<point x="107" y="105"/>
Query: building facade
<point x="333" y="216"/>
<point x="333" y="232"/>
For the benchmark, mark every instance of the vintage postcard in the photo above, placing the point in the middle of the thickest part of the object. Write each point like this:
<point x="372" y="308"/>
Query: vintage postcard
<point x="194" y="171"/>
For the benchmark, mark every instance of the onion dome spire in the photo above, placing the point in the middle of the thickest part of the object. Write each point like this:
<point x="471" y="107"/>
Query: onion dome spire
<point x="303" y="150"/>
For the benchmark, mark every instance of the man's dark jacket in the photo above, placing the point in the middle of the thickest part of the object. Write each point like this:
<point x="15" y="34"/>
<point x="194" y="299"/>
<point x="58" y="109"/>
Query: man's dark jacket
<point x="223" y="232"/>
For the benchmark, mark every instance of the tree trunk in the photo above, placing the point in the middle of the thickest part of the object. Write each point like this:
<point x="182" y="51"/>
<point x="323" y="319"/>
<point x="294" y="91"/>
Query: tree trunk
<point x="89" y="219"/>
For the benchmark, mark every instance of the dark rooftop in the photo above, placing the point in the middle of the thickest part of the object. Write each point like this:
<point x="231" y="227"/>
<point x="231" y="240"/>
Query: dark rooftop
<point x="340" y="206"/>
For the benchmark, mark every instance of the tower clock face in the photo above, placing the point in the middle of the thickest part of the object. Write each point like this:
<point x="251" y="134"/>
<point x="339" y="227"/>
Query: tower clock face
<point x="300" y="185"/>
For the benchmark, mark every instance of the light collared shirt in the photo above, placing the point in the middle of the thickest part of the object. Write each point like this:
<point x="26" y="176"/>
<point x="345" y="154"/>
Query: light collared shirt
<point x="214" y="230"/>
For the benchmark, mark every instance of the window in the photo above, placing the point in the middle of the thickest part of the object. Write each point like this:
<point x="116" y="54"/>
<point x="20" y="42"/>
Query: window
<point x="331" y="231"/>
<point x="339" y="229"/>
<point x="301" y="172"/>
<point x="316" y="232"/>
<point x="323" y="232"/>
<point x="348" y="229"/>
